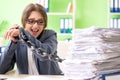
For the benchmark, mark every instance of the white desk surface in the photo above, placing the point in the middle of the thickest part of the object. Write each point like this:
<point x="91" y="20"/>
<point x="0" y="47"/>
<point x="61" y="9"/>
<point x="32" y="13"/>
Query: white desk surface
<point x="44" y="77"/>
<point x="31" y="77"/>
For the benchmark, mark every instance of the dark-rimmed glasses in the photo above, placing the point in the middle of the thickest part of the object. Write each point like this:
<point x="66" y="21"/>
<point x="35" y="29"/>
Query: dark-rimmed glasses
<point x="32" y="21"/>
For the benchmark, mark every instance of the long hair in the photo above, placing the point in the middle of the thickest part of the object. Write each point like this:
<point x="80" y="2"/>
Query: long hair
<point x="34" y="7"/>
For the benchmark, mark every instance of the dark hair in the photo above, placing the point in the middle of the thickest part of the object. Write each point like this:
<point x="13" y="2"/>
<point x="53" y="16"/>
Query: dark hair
<point x="34" y="7"/>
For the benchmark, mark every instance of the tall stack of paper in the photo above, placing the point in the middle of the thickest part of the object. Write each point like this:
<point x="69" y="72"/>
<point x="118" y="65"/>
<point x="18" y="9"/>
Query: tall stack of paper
<point x="94" y="51"/>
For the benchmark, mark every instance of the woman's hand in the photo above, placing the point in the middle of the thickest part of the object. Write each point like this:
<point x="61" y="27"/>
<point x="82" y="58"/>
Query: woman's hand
<point x="12" y="33"/>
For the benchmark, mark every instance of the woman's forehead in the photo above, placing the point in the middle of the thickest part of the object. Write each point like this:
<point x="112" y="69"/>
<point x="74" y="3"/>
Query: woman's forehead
<point x="36" y="15"/>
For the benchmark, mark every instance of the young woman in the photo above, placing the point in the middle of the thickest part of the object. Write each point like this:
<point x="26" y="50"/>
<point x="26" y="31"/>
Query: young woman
<point x="28" y="60"/>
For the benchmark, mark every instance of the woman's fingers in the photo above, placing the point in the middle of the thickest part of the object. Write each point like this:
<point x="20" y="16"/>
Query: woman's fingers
<point x="15" y="33"/>
<point x="12" y="32"/>
<point x="7" y="33"/>
<point x="15" y="26"/>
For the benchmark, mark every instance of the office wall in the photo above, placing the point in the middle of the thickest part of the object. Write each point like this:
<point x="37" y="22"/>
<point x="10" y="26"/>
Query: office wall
<point x="88" y="13"/>
<point x="11" y="10"/>
<point x="10" y="13"/>
<point x="91" y="13"/>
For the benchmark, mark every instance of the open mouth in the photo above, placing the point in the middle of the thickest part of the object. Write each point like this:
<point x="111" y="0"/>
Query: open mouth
<point x="34" y="31"/>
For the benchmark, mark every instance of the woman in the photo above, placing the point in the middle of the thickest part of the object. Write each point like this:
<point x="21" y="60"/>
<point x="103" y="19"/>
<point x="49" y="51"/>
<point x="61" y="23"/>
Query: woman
<point x="28" y="61"/>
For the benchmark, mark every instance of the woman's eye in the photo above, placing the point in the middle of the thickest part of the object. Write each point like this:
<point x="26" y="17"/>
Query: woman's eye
<point x="40" y="22"/>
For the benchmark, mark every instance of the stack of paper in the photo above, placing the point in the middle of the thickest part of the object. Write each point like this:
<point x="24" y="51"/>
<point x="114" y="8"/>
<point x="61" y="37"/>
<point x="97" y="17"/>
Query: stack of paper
<point x="79" y="69"/>
<point x="94" y="51"/>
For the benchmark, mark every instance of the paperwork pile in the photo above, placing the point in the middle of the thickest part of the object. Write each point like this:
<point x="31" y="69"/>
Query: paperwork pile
<point x="94" y="51"/>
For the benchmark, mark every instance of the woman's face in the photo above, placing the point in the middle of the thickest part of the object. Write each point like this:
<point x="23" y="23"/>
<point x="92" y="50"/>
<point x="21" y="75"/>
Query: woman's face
<point x="34" y="24"/>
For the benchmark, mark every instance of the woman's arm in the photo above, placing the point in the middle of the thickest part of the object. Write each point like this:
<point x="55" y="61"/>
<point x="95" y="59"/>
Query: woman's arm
<point x="7" y="59"/>
<point x="47" y="43"/>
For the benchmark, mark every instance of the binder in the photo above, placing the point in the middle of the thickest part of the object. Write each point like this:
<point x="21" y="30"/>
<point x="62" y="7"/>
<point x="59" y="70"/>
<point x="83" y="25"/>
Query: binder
<point x="44" y="3"/>
<point x="116" y="5"/>
<point x="2" y="50"/>
<point x="115" y="23"/>
<point x="113" y="2"/>
<point x="111" y="6"/>
<point x="62" y="25"/>
<point x="66" y="25"/>
<point x="111" y="23"/>
<point x="69" y="8"/>
<point x="119" y="6"/>
<point x="118" y="22"/>
<point x="70" y="25"/>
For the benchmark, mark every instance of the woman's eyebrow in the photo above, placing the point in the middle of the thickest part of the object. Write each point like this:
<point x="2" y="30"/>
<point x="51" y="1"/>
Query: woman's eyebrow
<point x="35" y="19"/>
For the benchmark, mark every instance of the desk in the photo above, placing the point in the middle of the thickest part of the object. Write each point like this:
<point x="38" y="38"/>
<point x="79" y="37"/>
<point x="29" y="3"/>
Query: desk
<point x="46" y="77"/>
<point x="114" y="77"/>
<point x="31" y="77"/>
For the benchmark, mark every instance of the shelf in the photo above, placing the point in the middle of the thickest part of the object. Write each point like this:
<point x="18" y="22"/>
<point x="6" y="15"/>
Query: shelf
<point x="114" y="13"/>
<point x="61" y="17"/>
<point x="58" y="13"/>
<point x="65" y="34"/>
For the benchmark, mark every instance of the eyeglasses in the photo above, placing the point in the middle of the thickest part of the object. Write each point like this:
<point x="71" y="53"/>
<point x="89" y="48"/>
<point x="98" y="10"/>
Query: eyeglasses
<point x="32" y="21"/>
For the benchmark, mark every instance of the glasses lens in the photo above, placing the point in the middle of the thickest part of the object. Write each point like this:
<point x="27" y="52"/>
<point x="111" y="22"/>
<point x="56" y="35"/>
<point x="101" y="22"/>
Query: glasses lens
<point x="30" y="21"/>
<point x="40" y="22"/>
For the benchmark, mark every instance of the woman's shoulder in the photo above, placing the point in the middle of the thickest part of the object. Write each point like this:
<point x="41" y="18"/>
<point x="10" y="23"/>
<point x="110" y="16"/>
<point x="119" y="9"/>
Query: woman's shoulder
<point x="49" y="31"/>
